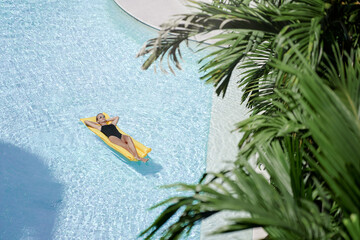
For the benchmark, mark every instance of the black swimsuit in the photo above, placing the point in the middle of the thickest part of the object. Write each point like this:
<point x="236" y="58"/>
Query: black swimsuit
<point x="110" y="130"/>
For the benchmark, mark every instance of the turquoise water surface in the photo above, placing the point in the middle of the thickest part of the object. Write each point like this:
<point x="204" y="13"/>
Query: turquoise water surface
<point x="65" y="60"/>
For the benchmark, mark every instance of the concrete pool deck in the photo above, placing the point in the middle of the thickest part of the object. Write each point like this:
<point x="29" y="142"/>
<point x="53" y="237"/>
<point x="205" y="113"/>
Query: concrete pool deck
<point x="225" y="112"/>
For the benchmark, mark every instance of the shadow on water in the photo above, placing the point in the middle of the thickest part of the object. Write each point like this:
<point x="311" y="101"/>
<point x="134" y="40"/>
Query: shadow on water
<point x="148" y="168"/>
<point x="29" y="196"/>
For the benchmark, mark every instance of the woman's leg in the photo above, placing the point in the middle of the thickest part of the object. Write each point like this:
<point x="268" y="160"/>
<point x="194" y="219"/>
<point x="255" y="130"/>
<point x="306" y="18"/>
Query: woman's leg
<point x="130" y="143"/>
<point x="127" y="143"/>
<point x="122" y="144"/>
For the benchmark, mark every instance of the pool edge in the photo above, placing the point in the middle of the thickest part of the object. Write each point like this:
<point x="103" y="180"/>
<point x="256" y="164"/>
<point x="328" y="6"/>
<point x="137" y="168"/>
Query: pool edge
<point x="127" y="11"/>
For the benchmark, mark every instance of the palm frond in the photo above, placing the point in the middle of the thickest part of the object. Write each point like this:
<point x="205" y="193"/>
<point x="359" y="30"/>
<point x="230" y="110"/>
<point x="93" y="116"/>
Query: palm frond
<point x="242" y="189"/>
<point x="248" y="31"/>
<point x="301" y="77"/>
<point x="239" y="22"/>
<point x="327" y="112"/>
<point x="352" y="225"/>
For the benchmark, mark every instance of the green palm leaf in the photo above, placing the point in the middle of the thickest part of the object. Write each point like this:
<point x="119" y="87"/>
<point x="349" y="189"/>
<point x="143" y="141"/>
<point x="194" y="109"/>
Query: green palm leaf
<point x="300" y="67"/>
<point x="286" y="204"/>
<point x="249" y="33"/>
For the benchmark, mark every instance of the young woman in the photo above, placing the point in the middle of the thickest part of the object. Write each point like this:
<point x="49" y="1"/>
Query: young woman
<point x="114" y="135"/>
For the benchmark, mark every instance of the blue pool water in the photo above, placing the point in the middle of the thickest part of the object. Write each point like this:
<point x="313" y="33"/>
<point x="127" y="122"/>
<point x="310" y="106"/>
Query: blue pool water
<point x="65" y="60"/>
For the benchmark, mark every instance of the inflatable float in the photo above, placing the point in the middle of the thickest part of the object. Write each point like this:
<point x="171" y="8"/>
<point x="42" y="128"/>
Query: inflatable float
<point x="140" y="148"/>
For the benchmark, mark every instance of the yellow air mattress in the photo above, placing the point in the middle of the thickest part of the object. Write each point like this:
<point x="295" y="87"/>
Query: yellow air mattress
<point x="140" y="148"/>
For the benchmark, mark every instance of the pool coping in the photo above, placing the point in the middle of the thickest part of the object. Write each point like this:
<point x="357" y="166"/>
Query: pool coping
<point x="129" y="12"/>
<point x="215" y="159"/>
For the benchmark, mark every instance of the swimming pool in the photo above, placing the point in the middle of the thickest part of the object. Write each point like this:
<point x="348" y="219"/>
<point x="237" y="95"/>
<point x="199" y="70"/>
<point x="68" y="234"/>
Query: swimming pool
<point x="65" y="60"/>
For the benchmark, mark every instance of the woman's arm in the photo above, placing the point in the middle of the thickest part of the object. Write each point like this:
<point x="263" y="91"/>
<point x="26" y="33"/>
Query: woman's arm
<point x="114" y="120"/>
<point x="93" y="124"/>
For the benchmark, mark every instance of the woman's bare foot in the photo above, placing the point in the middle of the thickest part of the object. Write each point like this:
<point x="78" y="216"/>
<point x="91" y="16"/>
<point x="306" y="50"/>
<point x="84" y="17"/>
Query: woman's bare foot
<point x="143" y="159"/>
